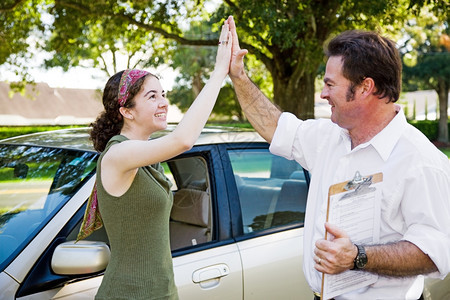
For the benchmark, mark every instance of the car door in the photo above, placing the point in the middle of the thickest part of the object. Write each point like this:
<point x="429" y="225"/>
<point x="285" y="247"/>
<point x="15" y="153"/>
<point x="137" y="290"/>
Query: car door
<point x="205" y="268"/>
<point x="210" y="273"/>
<point x="268" y="221"/>
<point x="206" y="259"/>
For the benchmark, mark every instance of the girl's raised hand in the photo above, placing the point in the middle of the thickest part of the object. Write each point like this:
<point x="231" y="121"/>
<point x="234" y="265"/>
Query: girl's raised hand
<point x="223" y="56"/>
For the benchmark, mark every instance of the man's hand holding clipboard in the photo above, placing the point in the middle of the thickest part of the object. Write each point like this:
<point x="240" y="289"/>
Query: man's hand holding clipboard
<point x="353" y="217"/>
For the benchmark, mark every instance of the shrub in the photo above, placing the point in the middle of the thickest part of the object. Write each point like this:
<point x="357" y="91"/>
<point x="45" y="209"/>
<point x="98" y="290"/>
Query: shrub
<point x="428" y="127"/>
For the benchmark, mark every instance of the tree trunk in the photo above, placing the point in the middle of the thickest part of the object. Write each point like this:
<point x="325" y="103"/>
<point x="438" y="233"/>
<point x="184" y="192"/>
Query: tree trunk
<point x="197" y="84"/>
<point x="443" y="89"/>
<point x="296" y="94"/>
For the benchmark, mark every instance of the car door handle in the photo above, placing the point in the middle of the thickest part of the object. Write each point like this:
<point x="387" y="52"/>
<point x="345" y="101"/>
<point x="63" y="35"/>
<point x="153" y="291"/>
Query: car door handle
<point x="211" y="272"/>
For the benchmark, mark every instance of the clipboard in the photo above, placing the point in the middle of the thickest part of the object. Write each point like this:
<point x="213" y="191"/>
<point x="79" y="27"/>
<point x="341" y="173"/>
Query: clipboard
<point x="358" y="188"/>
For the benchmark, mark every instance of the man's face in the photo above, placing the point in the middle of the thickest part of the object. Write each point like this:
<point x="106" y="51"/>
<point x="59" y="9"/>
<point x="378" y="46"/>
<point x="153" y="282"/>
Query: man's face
<point x="345" y="109"/>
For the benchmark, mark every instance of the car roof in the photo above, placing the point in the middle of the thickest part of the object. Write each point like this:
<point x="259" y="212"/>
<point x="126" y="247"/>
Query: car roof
<point x="78" y="138"/>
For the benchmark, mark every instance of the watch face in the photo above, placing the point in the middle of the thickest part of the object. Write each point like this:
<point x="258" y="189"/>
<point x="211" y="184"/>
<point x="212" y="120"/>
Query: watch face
<point x="361" y="260"/>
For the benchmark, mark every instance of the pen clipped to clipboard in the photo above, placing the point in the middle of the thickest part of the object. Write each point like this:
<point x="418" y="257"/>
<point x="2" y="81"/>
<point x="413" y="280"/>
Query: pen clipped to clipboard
<point x="355" y="207"/>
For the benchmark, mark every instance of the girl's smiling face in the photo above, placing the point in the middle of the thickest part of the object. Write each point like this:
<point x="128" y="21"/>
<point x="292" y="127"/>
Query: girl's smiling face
<point x="151" y="105"/>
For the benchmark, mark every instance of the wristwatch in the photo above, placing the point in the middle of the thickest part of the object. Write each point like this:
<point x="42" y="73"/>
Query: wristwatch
<point x="360" y="260"/>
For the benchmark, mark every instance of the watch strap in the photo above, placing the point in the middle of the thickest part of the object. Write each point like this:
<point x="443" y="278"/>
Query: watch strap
<point x="361" y="257"/>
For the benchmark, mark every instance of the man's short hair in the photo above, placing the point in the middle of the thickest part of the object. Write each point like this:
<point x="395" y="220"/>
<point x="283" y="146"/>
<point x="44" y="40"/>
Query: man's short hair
<point x="368" y="54"/>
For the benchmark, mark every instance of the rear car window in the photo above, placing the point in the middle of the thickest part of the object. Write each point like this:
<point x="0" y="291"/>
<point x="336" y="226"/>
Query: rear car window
<point x="272" y="190"/>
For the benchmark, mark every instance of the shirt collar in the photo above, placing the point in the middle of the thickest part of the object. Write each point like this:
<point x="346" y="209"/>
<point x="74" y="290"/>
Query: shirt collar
<point x="385" y="141"/>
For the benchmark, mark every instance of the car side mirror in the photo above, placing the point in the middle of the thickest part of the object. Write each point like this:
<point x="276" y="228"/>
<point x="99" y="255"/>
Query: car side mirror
<point x="83" y="257"/>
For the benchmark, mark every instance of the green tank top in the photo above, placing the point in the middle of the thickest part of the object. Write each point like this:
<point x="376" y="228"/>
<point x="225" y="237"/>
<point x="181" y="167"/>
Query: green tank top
<point x="137" y="225"/>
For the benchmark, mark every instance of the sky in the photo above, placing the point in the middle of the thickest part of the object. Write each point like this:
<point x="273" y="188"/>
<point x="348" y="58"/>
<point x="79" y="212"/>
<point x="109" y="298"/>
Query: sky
<point x="79" y="77"/>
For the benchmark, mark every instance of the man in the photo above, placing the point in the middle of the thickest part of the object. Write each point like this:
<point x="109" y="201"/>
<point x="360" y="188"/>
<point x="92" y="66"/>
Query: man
<point x="368" y="133"/>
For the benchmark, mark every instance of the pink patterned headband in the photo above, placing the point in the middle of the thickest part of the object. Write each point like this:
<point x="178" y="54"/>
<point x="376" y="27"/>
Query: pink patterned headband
<point x="129" y="77"/>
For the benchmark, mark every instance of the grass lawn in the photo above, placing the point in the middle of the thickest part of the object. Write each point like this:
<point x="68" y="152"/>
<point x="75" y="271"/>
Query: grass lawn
<point x="446" y="151"/>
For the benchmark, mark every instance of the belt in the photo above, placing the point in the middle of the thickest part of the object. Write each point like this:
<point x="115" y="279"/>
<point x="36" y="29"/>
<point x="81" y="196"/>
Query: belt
<point x="318" y="297"/>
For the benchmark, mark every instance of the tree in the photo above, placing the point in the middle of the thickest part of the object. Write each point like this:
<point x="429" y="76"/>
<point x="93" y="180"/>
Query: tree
<point x="76" y="36"/>
<point x="194" y="63"/>
<point x="13" y="39"/>
<point x="426" y="57"/>
<point x="286" y="36"/>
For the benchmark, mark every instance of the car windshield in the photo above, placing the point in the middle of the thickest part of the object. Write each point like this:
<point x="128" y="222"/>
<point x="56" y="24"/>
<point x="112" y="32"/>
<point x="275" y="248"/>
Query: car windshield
<point x="35" y="182"/>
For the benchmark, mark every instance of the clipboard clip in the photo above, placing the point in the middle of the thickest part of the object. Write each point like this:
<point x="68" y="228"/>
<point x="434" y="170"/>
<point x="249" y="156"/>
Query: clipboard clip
<point x="358" y="182"/>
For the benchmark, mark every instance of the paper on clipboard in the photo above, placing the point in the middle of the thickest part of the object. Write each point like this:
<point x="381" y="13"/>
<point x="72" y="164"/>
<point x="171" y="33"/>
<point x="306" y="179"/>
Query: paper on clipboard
<point x="354" y="206"/>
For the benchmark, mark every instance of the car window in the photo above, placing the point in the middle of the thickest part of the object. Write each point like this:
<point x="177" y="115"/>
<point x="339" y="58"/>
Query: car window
<point x="188" y="172"/>
<point x="35" y="182"/>
<point x="190" y="219"/>
<point x="272" y="190"/>
<point x="191" y="215"/>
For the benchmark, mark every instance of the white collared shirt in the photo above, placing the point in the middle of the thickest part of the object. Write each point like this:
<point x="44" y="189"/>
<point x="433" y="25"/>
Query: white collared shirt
<point x="415" y="204"/>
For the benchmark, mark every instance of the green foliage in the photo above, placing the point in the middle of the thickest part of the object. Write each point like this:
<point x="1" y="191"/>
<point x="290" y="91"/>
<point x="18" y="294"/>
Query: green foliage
<point x="426" y="73"/>
<point x="14" y="35"/>
<point x="100" y="39"/>
<point x="446" y="151"/>
<point x="18" y="21"/>
<point x="428" y="127"/>
<point x="195" y="63"/>
<point x="426" y="60"/>
<point x="285" y="36"/>
<point x="288" y="37"/>
<point x="227" y="107"/>
<point x="426" y="56"/>
<point x="232" y="124"/>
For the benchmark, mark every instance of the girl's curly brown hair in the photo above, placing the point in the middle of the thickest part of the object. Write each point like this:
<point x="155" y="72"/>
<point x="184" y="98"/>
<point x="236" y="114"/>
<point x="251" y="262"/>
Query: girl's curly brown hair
<point x="109" y="123"/>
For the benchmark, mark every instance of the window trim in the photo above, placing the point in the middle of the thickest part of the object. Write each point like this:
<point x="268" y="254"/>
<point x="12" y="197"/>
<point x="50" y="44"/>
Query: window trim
<point x="236" y="213"/>
<point x="221" y="232"/>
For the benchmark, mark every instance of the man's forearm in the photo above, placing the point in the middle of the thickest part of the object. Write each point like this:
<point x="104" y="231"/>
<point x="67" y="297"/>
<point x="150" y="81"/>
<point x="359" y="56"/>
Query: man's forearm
<point x="400" y="259"/>
<point x="259" y="110"/>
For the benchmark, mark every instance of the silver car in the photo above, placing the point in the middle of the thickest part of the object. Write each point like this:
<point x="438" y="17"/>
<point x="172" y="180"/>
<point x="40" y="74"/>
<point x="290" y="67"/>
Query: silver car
<point x="236" y="223"/>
